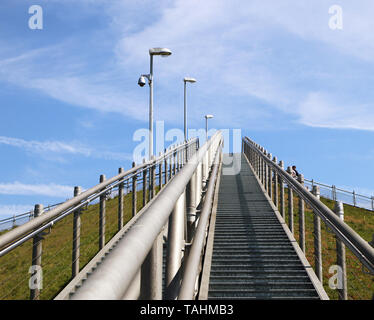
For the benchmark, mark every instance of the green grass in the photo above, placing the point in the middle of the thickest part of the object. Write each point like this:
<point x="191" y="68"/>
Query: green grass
<point x="360" y="285"/>
<point x="57" y="251"/>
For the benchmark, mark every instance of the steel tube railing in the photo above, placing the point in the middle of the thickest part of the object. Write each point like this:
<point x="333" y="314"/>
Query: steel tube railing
<point x="19" y="235"/>
<point x="361" y="249"/>
<point x="115" y="274"/>
<point x="191" y="269"/>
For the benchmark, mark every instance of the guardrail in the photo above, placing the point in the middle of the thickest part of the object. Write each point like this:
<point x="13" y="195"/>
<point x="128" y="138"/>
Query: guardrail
<point x="345" y="196"/>
<point x="344" y="272"/>
<point x="91" y="227"/>
<point x="14" y="221"/>
<point x="131" y="267"/>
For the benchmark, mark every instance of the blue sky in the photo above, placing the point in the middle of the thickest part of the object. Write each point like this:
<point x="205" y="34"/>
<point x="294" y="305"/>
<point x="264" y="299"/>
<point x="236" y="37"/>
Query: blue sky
<point x="274" y="69"/>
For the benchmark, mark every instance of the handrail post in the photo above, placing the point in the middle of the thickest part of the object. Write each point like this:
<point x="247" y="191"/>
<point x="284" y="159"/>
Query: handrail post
<point x="120" y="201"/>
<point x="265" y="183"/>
<point x="102" y="216"/>
<point x="276" y="187"/>
<point x="270" y="180"/>
<point x="317" y="238"/>
<point x="191" y="196"/>
<point x="340" y="253"/>
<point x="160" y="173"/>
<point x="290" y="204"/>
<point x="301" y="217"/>
<point x="354" y="198"/>
<point x="152" y="180"/>
<point x="36" y="259"/>
<point x="134" y="193"/>
<point x="144" y="185"/>
<point x="170" y="167"/>
<point x="166" y="168"/>
<point x="151" y="272"/>
<point x="76" y="237"/>
<point x="175" y="248"/>
<point x="282" y="206"/>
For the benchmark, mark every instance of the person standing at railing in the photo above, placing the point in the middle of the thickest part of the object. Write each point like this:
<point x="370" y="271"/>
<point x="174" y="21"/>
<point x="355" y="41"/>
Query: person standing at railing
<point x="294" y="172"/>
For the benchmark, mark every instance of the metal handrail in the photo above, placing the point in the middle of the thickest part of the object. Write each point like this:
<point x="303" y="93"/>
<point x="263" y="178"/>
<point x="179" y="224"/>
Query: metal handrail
<point x="356" y="196"/>
<point x="114" y="275"/>
<point x="360" y="248"/>
<point x="19" y="235"/>
<point x="191" y="269"/>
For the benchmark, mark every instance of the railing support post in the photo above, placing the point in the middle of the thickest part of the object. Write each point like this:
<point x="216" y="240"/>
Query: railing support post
<point x="301" y="217"/>
<point x="317" y="238"/>
<point x="152" y="178"/>
<point x="175" y="248"/>
<point x="276" y="187"/>
<point x="340" y="252"/>
<point x="144" y="185"/>
<point x="160" y="173"/>
<point x="290" y="205"/>
<point x="102" y="217"/>
<point x="270" y="179"/>
<point x="76" y="237"/>
<point x="151" y="272"/>
<point x="120" y="201"/>
<point x="191" y="195"/>
<point x="134" y="193"/>
<point x="36" y="259"/>
<point x="282" y="206"/>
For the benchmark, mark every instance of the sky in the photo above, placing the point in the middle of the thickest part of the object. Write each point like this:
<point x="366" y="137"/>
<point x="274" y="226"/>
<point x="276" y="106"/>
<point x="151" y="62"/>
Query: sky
<point x="276" y="70"/>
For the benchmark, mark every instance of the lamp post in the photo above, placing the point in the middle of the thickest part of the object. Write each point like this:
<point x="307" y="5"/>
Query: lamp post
<point x="208" y="116"/>
<point x="185" y="80"/>
<point x="163" y="52"/>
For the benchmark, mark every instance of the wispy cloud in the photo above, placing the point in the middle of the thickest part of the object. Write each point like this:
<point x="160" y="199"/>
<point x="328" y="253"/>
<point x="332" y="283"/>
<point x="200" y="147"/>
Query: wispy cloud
<point x="58" y="147"/>
<point x="206" y="38"/>
<point x="49" y="190"/>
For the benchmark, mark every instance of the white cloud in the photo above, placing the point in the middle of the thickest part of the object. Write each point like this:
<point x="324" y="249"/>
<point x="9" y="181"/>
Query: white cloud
<point x="52" y="147"/>
<point x="50" y="190"/>
<point x="321" y="110"/>
<point x="227" y="45"/>
<point x="47" y="146"/>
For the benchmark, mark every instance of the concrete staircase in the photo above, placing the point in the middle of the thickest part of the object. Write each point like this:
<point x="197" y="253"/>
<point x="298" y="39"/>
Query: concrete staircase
<point x="252" y="256"/>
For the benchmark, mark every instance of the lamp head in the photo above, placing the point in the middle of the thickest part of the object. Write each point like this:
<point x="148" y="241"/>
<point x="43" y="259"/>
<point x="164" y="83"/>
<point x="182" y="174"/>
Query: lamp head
<point x="187" y="79"/>
<point x="163" y="52"/>
<point x="208" y="116"/>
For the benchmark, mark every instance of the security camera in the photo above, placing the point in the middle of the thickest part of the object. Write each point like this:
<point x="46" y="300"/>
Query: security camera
<point x="141" y="81"/>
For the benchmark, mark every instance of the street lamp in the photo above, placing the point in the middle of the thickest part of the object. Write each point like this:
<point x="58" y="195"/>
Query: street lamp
<point x="185" y="80"/>
<point x="208" y="116"/>
<point x="163" y="52"/>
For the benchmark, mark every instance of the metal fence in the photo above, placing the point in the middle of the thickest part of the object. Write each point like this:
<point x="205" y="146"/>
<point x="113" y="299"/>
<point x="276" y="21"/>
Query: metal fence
<point x="321" y="233"/>
<point x="40" y="257"/>
<point x="349" y="197"/>
<point x="19" y="219"/>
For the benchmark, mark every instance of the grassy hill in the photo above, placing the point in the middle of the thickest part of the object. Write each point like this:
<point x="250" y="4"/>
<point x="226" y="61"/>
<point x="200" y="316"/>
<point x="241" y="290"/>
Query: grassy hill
<point x="360" y="285"/>
<point x="57" y="251"/>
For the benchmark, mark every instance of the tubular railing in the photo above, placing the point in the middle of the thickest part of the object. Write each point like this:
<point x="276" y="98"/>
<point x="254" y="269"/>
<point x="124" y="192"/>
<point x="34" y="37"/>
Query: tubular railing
<point x="345" y="196"/>
<point x="349" y="274"/>
<point x="18" y="219"/>
<point x="70" y="234"/>
<point x="132" y="266"/>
